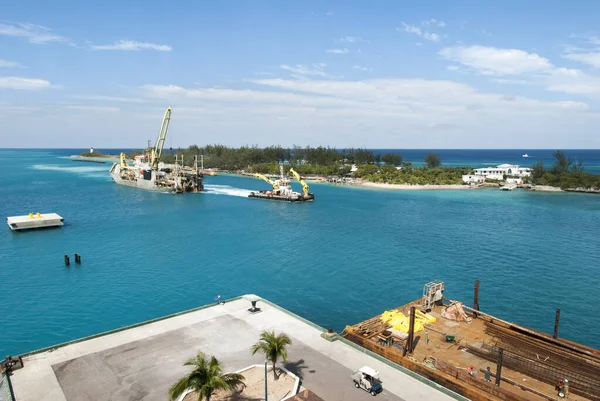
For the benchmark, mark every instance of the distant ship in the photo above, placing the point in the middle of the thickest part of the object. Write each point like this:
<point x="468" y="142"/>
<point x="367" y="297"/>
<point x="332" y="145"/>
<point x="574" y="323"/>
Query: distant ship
<point x="525" y="155"/>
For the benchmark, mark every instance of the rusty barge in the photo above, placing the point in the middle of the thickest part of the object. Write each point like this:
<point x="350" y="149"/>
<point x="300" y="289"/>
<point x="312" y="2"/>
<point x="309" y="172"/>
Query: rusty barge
<point x="453" y="345"/>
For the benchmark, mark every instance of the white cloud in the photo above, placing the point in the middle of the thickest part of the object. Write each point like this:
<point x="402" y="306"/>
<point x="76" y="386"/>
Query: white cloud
<point x="590" y="54"/>
<point x="8" y="64"/>
<point x="113" y="99"/>
<point x="92" y="108"/>
<point x="414" y="112"/>
<point x="494" y="61"/>
<point x="435" y="23"/>
<point x="338" y="51"/>
<point x="358" y="67"/>
<point x="353" y="39"/>
<point x="452" y="68"/>
<point x="592" y="59"/>
<point x="37" y="34"/>
<point x="510" y="81"/>
<point x="415" y="30"/>
<point x="130" y="45"/>
<point x="316" y="69"/>
<point x="386" y="110"/>
<point x="23" y="83"/>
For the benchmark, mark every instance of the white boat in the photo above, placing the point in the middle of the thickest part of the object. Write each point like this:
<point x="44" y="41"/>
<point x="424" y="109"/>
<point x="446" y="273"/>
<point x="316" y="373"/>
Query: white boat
<point x="509" y="187"/>
<point x="525" y="155"/>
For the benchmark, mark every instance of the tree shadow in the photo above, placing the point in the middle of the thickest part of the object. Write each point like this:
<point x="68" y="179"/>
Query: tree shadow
<point x="296" y="367"/>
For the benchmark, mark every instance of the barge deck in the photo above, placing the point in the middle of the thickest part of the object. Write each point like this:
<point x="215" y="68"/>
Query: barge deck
<point x="462" y="340"/>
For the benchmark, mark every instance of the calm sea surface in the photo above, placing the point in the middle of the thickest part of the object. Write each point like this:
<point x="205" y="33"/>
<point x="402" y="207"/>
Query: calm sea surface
<point x="346" y="257"/>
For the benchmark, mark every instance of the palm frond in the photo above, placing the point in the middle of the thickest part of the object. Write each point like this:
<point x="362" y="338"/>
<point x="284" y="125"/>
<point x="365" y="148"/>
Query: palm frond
<point x="178" y="388"/>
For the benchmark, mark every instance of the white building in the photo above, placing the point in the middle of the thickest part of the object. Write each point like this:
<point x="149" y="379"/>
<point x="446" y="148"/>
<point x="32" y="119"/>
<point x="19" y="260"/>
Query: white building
<point x="472" y="179"/>
<point x="498" y="173"/>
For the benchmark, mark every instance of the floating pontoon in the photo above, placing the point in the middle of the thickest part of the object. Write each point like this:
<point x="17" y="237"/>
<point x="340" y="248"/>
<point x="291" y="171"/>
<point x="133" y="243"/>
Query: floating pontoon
<point x="31" y="221"/>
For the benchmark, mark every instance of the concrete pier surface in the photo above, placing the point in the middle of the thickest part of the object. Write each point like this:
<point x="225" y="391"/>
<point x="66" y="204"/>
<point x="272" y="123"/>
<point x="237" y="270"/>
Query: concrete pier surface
<point x="142" y="362"/>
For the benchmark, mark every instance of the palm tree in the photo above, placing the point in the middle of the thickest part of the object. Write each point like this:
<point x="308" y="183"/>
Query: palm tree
<point x="273" y="347"/>
<point x="206" y="378"/>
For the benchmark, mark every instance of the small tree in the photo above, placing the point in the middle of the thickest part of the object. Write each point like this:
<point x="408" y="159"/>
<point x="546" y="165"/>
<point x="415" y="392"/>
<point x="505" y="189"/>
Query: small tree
<point x="537" y="172"/>
<point x="206" y="378"/>
<point x="273" y="346"/>
<point x="562" y="163"/>
<point x="392" y="158"/>
<point x="433" y="160"/>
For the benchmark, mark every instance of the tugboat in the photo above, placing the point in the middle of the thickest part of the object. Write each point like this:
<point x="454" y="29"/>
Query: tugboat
<point x="282" y="189"/>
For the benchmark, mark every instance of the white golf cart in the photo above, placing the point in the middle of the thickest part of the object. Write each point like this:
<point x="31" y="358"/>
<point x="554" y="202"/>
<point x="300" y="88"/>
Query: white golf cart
<point x="368" y="379"/>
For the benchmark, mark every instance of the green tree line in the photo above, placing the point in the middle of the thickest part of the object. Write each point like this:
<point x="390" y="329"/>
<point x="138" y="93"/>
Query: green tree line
<point x="564" y="173"/>
<point x="412" y="175"/>
<point x="309" y="160"/>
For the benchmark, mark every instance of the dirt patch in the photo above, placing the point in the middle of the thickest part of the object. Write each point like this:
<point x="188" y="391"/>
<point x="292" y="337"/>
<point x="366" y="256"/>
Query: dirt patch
<point x="255" y="387"/>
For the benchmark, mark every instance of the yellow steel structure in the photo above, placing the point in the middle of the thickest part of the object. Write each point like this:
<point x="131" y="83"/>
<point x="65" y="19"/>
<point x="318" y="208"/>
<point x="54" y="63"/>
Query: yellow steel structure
<point x="273" y="183"/>
<point x="300" y="180"/>
<point x="160" y="142"/>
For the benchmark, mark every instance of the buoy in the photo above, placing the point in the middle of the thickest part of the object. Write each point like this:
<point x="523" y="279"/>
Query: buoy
<point x="77" y="258"/>
<point x="67" y="262"/>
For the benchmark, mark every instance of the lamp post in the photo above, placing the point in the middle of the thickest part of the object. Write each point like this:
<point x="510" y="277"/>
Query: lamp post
<point x="266" y="393"/>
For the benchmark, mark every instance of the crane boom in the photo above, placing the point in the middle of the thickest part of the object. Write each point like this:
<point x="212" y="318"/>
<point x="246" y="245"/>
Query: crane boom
<point x="162" y="136"/>
<point x="300" y="180"/>
<point x="273" y="183"/>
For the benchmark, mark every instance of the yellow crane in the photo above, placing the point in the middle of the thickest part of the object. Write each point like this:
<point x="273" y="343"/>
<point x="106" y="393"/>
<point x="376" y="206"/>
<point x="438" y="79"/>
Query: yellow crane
<point x="300" y="180"/>
<point x="160" y="143"/>
<point x="273" y="183"/>
<point x="162" y="136"/>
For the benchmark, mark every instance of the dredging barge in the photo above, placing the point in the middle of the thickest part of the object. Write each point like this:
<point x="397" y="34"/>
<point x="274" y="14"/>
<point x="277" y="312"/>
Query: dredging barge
<point x="453" y="345"/>
<point x="282" y="189"/>
<point x="149" y="173"/>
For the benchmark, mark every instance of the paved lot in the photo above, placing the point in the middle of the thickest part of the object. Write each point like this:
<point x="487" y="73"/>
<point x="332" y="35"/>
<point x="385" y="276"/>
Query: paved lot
<point x="141" y="363"/>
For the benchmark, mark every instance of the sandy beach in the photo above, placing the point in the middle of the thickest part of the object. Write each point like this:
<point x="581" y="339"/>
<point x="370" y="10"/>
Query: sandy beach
<point x="378" y="185"/>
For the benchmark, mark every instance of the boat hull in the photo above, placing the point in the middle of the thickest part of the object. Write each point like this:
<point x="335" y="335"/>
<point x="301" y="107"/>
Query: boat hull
<point x="151" y="181"/>
<point x="280" y="198"/>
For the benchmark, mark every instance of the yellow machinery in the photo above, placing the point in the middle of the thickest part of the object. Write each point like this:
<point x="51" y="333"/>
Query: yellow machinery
<point x="160" y="142"/>
<point x="300" y="180"/>
<point x="273" y="183"/>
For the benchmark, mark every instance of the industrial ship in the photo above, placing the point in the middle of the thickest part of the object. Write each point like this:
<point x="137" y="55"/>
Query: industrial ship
<point x="148" y="172"/>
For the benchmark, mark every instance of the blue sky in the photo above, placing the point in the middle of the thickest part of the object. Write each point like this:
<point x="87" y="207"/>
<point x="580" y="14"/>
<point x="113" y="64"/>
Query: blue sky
<point x="385" y="74"/>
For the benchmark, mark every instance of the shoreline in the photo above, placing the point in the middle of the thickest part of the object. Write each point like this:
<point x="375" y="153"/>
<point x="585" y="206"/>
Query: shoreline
<point x="427" y="187"/>
<point x="416" y="187"/>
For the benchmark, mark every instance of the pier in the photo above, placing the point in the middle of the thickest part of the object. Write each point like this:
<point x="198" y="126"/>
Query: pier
<point x="453" y="344"/>
<point x="144" y="360"/>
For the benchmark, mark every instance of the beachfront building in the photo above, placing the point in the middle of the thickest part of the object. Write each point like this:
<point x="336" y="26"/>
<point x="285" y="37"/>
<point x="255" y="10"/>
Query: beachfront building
<point x="473" y="179"/>
<point x="498" y="173"/>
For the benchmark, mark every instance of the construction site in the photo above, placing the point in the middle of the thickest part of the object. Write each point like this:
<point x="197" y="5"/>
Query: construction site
<point x="453" y="345"/>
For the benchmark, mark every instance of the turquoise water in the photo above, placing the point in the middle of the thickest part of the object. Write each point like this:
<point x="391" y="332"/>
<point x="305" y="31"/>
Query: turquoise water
<point x="346" y="257"/>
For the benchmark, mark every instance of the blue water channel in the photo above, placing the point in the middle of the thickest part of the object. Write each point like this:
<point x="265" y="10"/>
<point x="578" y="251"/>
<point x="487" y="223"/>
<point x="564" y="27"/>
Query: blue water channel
<point x="348" y="256"/>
